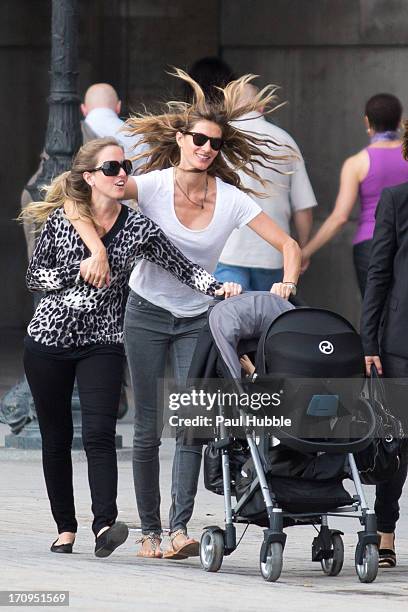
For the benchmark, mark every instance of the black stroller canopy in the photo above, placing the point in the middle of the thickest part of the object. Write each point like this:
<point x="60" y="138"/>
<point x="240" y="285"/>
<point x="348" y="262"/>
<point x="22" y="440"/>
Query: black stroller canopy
<point x="310" y="342"/>
<point x="312" y="321"/>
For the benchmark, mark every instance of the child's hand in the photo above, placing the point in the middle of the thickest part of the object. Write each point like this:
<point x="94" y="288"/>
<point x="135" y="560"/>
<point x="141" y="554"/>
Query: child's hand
<point x="247" y="365"/>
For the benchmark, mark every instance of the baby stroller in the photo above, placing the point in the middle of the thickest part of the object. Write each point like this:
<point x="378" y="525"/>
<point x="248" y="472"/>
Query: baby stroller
<point x="299" y="480"/>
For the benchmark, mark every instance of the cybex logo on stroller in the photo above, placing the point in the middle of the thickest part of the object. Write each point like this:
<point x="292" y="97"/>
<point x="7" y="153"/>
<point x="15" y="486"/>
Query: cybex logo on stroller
<point x="326" y="347"/>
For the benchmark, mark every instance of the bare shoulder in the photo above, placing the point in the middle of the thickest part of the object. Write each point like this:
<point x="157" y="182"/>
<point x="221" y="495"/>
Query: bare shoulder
<point x="357" y="165"/>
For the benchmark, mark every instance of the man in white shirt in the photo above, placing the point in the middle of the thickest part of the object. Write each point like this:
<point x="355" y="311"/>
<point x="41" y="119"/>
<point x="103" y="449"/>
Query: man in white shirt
<point x="246" y="259"/>
<point x="101" y="109"/>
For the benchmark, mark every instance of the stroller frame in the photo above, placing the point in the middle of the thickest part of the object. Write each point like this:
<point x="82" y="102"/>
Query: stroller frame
<point x="327" y="547"/>
<point x="258" y="311"/>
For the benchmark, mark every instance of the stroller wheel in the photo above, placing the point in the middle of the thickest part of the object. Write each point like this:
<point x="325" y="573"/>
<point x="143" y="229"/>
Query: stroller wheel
<point x="367" y="570"/>
<point x="211" y="550"/>
<point x="271" y="569"/>
<point x="332" y="566"/>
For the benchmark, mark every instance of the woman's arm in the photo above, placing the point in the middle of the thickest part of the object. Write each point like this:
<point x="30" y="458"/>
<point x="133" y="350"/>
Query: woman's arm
<point x="43" y="274"/>
<point x="346" y="197"/>
<point x="161" y="251"/>
<point x="97" y="271"/>
<point x="303" y="222"/>
<point x="272" y="233"/>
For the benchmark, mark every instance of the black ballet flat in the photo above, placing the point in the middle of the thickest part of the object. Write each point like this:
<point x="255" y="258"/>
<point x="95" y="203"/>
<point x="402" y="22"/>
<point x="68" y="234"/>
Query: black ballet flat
<point x="61" y="548"/>
<point x="110" y="539"/>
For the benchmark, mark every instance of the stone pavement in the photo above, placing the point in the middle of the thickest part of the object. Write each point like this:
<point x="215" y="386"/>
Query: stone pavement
<point x="124" y="582"/>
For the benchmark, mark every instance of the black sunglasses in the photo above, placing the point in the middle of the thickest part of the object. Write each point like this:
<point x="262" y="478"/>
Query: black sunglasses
<point x="112" y="168"/>
<point x="200" y="140"/>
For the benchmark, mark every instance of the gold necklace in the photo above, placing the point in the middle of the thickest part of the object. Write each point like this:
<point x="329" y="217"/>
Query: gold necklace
<point x="188" y="197"/>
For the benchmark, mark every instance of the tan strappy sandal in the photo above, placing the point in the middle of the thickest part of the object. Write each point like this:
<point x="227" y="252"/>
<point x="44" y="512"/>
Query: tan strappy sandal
<point x="154" y="551"/>
<point x="189" y="548"/>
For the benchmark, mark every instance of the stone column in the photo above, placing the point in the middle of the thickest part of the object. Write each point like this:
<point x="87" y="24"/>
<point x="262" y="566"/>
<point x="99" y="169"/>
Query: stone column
<point x="63" y="139"/>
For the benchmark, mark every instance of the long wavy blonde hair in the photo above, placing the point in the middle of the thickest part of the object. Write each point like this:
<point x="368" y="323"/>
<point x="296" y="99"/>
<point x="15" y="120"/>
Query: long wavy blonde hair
<point x="241" y="149"/>
<point x="69" y="185"/>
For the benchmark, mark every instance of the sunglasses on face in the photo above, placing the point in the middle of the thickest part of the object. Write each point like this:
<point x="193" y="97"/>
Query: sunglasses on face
<point x="200" y="139"/>
<point x="112" y="168"/>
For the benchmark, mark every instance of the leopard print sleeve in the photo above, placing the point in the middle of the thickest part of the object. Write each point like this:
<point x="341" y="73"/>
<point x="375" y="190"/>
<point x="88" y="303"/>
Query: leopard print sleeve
<point x="161" y="251"/>
<point x="44" y="273"/>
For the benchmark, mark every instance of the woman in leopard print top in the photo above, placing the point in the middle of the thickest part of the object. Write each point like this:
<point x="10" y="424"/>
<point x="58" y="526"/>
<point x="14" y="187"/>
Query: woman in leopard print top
<point x="73" y="313"/>
<point x="76" y="331"/>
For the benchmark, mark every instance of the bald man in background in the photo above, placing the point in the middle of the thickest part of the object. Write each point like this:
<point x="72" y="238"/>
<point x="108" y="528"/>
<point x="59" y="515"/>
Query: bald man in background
<point x="101" y="109"/>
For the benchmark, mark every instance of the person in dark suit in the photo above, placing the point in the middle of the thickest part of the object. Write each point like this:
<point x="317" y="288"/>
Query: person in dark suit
<point x="384" y="332"/>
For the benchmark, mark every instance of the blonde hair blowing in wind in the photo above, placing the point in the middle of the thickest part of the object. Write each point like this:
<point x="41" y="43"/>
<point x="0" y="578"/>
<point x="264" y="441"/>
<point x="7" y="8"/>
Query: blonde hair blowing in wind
<point x="70" y="185"/>
<point x="240" y="149"/>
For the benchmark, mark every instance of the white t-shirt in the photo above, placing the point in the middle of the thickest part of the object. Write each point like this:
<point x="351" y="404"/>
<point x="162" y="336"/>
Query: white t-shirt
<point x="286" y="194"/>
<point x="233" y="209"/>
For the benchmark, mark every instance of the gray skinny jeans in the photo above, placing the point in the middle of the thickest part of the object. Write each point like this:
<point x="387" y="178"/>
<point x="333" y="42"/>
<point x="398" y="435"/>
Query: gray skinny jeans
<point x="150" y="333"/>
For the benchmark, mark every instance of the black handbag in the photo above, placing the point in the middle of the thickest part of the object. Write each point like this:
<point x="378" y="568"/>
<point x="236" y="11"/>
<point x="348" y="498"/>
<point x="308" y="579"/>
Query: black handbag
<point x="381" y="459"/>
<point x="238" y="454"/>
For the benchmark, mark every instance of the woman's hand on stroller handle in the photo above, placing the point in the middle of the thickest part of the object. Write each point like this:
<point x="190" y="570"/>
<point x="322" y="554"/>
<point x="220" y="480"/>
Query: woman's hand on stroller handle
<point x="284" y="290"/>
<point x="371" y="360"/>
<point x="229" y="290"/>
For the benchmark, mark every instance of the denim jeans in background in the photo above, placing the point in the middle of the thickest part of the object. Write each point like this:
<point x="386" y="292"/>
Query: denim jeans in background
<point x="251" y="279"/>
<point x="151" y="333"/>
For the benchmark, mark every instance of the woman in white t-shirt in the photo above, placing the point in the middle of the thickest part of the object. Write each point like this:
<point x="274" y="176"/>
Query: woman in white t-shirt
<point x="190" y="187"/>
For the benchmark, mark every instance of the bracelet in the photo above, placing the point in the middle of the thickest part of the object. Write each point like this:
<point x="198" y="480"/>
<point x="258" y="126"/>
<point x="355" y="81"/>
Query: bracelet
<point x="292" y="286"/>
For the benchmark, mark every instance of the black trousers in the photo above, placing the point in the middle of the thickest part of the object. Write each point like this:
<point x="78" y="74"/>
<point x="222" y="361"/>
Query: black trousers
<point x="361" y="259"/>
<point x="388" y="493"/>
<point x="99" y="378"/>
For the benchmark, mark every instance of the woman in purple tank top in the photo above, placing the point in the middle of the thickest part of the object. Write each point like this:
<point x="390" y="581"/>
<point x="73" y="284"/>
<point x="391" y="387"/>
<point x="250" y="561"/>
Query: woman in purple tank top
<point x="365" y="175"/>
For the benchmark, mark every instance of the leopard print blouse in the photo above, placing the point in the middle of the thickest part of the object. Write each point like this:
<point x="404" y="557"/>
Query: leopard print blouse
<point x="73" y="313"/>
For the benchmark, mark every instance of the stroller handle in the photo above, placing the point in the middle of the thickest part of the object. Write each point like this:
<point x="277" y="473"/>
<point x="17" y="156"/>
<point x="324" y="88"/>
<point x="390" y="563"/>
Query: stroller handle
<point x="295" y="301"/>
